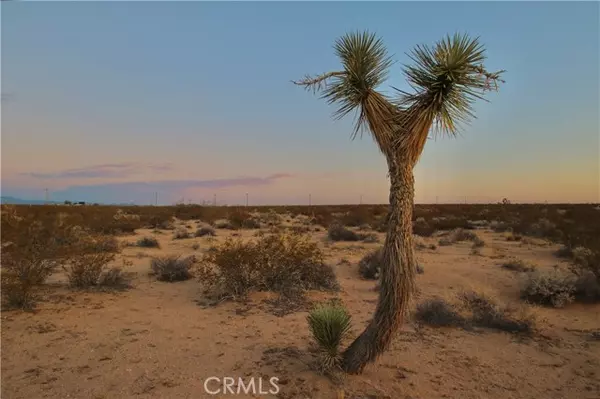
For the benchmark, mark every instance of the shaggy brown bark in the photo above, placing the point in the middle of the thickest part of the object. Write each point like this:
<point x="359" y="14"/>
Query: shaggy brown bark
<point x="397" y="274"/>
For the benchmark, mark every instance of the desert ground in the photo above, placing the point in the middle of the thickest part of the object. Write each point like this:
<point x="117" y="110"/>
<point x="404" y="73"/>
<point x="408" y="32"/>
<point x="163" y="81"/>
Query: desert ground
<point x="160" y="339"/>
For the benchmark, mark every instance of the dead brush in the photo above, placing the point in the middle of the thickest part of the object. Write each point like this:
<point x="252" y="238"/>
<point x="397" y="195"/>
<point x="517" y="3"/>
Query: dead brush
<point x="91" y="255"/>
<point x="460" y="234"/>
<point x="519" y="265"/>
<point x="205" y="231"/>
<point x="32" y="249"/>
<point x="18" y="287"/>
<point x="486" y="312"/>
<point x="438" y="312"/>
<point x="586" y="266"/>
<point x="240" y="219"/>
<point x="369" y="266"/>
<point x="422" y="228"/>
<point x="513" y="237"/>
<point x="181" y="233"/>
<point x="85" y="270"/>
<point x="338" y="232"/>
<point x="279" y="263"/>
<point x="171" y="268"/>
<point x="550" y="288"/>
<point x="419" y="243"/>
<point x="147" y="242"/>
<point x="114" y="278"/>
<point x="474" y="309"/>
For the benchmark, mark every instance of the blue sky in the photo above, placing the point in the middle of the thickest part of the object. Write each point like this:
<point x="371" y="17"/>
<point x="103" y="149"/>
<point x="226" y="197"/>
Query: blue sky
<point x="112" y="101"/>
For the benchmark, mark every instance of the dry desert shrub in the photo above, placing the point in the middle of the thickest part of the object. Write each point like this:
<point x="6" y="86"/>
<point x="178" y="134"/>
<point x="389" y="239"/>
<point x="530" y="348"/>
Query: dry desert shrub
<point x="365" y="227"/>
<point x="478" y="242"/>
<point x="474" y="310"/>
<point x="419" y="243"/>
<point x="85" y="270"/>
<point x="486" y="312"/>
<point x="549" y="288"/>
<point x="444" y="242"/>
<point x="357" y="216"/>
<point x="171" y="268"/>
<point x="148" y="242"/>
<point x="461" y="234"/>
<point x="544" y="228"/>
<point x="271" y="218"/>
<point x="438" y="312"/>
<point x="586" y="266"/>
<point x="422" y="228"/>
<point x="165" y="225"/>
<point x="285" y="263"/>
<point x="338" y="232"/>
<point x="32" y="249"/>
<point x="223" y="224"/>
<point x="205" y="231"/>
<point x="565" y="251"/>
<point x="299" y="229"/>
<point x="500" y="227"/>
<point x="369" y="238"/>
<point x="419" y="268"/>
<point x="181" y="233"/>
<point x="88" y="262"/>
<point x="241" y="219"/>
<point x="114" y="278"/>
<point x="519" y="265"/>
<point x="369" y="266"/>
<point x="450" y="222"/>
<point x="513" y="237"/>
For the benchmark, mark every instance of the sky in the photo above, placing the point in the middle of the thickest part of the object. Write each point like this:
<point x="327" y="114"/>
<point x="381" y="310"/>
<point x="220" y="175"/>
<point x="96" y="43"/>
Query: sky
<point x="116" y="101"/>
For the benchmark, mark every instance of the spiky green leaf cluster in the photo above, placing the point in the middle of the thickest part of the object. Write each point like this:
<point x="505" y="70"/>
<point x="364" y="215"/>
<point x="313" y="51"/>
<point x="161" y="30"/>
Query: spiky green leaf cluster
<point x="447" y="79"/>
<point x="329" y="324"/>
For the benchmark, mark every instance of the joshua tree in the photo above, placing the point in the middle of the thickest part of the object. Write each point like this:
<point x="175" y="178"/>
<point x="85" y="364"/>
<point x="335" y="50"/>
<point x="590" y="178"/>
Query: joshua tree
<point x="446" y="80"/>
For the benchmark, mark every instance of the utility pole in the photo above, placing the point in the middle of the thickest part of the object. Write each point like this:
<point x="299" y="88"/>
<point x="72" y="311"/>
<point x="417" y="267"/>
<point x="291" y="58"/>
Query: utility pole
<point x="215" y="200"/>
<point x="309" y="200"/>
<point x="156" y="198"/>
<point x="361" y="199"/>
<point x="46" y="195"/>
<point x="246" y="199"/>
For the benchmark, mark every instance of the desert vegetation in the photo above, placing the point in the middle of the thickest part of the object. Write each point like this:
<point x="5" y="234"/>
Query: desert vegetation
<point x="319" y="291"/>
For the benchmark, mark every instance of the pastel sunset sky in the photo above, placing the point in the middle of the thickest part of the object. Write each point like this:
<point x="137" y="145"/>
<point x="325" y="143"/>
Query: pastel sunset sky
<point x="114" y="101"/>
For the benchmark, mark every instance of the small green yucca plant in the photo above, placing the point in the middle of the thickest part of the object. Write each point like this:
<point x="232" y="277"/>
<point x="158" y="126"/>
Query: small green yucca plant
<point x="329" y="324"/>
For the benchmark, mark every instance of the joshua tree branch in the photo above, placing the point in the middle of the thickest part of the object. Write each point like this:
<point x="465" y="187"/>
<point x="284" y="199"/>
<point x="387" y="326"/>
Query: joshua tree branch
<point x="316" y="83"/>
<point x="490" y="77"/>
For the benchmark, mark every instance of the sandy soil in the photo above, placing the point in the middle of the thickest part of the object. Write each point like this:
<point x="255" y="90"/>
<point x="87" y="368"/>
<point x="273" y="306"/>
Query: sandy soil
<point x="157" y="341"/>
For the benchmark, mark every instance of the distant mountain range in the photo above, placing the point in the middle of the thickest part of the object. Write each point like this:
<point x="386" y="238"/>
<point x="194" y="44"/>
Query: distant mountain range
<point x="19" y="201"/>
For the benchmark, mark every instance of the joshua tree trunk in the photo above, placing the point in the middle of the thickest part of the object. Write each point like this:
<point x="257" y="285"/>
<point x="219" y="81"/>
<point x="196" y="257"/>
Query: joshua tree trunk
<point x="397" y="273"/>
